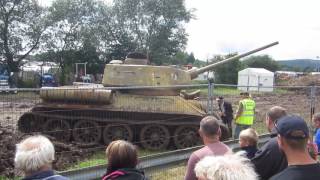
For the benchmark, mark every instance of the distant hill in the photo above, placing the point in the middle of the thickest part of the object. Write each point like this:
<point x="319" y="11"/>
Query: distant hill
<point x="302" y="64"/>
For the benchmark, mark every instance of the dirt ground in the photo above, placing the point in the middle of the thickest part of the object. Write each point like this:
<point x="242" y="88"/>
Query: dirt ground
<point x="66" y="154"/>
<point x="12" y="108"/>
<point x="296" y="102"/>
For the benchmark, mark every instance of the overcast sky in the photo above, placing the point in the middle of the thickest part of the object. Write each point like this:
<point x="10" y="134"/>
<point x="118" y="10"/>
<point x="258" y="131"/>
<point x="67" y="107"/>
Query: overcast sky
<point x="226" y="26"/>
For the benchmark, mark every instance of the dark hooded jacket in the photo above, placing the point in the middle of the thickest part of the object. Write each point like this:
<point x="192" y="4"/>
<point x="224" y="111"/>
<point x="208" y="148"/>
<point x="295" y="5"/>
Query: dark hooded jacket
<point x="250" y="151"/>
<point x="270" y="159"/>
<point x="125" y="174"/>
<point x="45" y="175"/>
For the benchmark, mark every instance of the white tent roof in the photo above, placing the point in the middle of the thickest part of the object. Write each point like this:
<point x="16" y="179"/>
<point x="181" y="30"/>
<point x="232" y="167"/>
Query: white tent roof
<point x="256" y="71"/>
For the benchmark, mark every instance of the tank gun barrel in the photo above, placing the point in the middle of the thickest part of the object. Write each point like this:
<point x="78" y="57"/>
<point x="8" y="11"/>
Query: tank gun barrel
<point x="195" y="73"/>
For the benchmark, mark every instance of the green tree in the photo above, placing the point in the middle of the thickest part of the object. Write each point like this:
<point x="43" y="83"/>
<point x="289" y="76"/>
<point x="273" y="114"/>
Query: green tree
<point x="88" y="53"/>
<point x="22" y="28"/>
<point x="199" y="63"/>
<point x="227" y="73"/>
<point x="180" y="58"/>
<point x="191" y="59"/>
<point x="263" y="61"/>
<point x="72" y="31"/>
<point x="154" y="27"/>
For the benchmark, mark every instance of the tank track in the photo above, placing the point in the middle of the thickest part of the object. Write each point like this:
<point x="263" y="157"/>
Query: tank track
<point x="92" y="127"/>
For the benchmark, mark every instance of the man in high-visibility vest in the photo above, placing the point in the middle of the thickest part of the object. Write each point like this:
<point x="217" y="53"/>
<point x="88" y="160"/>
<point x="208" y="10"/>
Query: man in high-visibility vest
<point x="245" y="114"/>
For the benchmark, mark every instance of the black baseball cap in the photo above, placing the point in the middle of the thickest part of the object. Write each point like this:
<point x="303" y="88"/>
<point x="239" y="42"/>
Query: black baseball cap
<point x="292" y="127"/>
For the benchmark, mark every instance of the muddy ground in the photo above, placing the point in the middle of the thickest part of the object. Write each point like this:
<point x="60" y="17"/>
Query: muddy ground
<point x="13" y="106"/>
<point x="66" y="154"/>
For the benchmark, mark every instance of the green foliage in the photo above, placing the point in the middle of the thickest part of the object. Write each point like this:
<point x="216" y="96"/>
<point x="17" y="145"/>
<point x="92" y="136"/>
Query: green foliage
<point x="199" y="63"/>
<point x="27" y="83"/>
<point x="300" y="65"/>
<point x="72" y="36"/>
<point x="227" y="73"/>
<point x="22" y="29"/>
<point x="96" y="32"/>
<point x="181" y="58"/>
<point x="290" y="68"/>
<point x="263" y="61"/>
<point x="154" y="27"/>
<point x="191" y="59"/>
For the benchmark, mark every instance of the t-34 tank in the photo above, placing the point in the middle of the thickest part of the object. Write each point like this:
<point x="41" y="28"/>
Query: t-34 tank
<point x="153" y="116"/>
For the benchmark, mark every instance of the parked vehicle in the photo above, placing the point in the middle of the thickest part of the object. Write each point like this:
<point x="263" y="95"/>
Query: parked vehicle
<point x="47" y="80"/>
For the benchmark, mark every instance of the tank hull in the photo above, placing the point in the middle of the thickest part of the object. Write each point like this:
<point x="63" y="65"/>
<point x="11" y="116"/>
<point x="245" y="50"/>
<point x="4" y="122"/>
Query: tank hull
<point x="154" y="122"/>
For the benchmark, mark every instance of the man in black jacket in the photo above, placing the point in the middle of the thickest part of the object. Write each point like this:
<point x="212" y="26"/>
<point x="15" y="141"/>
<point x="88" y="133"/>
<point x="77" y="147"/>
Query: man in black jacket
<point x="270" y="160"/>
<point x="293" y="135"/>
<point x="225" y="112"/>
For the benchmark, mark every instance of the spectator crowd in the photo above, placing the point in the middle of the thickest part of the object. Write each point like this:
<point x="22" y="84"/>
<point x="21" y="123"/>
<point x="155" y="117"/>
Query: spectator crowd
<point x="288" y="154"/>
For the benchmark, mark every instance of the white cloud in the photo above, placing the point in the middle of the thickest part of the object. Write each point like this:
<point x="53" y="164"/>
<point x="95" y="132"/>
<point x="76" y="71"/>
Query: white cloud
<point x="224" y="26"/>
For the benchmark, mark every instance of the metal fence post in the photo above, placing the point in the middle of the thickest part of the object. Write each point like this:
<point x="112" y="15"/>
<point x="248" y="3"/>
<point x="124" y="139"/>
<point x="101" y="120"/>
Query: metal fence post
<point x="210" y="97"/>
<point x="312" y="107"/>
<point x="312" y="100"/>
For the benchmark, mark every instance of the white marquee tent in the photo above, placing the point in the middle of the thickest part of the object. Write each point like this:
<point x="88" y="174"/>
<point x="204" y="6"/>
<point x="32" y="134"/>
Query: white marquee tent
<point x="255" y="79"/>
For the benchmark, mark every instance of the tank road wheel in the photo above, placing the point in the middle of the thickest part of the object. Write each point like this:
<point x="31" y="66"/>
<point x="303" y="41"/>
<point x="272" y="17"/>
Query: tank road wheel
<point x="155" y="137"/>
<point x="59" y="129"/>
<point x="86" y="133"/>
<point x="186" y="136"/>
<point x="117" y="131"/>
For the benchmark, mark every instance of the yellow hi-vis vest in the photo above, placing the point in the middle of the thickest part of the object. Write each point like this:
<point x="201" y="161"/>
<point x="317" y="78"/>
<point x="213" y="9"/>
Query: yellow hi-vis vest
<point x="247" y="115"/>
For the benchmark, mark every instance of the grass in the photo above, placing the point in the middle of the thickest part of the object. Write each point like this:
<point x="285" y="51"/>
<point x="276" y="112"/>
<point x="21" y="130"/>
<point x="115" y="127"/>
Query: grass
<point x="227" y="90"/>
<point x="99" y="158"/>
<point x="231" y="90"/>
<point x="170" y="174"/>
<point x="6" y="178"/>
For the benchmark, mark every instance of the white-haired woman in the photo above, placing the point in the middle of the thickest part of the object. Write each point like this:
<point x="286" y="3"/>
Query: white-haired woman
<point x="34" y="157"/>
<point x="227" y="167"/>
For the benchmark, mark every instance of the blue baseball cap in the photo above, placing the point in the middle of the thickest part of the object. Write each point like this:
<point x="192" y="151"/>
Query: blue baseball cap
<point x="292" y="127"/>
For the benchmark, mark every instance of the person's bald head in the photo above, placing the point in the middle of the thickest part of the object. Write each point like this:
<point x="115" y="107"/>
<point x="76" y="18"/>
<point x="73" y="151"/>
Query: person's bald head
<point x="209" y="126"/>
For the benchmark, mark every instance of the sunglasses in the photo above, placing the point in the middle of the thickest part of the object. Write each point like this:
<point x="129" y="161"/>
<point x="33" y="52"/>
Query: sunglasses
<point x="276" y="127"/>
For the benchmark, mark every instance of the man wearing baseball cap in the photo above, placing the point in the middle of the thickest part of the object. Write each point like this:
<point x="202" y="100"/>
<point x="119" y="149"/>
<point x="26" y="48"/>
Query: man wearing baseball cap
<point x="225" y="112"/>
<point x="293" y="134"/>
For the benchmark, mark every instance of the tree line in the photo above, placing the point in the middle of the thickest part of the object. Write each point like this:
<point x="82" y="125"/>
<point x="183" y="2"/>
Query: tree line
<point x="228" y="73"/>
<point x="93" y="31"/>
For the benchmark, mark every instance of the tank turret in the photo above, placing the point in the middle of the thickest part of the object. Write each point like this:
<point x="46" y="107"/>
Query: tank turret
<point x="139" y="74"/>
